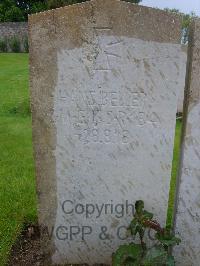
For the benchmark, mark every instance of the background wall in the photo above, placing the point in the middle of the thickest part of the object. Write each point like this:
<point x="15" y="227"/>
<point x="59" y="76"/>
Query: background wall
<point x="12" y="32"/>
<point x="10" y="29"/>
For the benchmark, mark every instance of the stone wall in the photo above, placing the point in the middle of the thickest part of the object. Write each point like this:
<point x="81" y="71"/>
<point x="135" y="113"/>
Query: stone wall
<point x="10" y="29"/>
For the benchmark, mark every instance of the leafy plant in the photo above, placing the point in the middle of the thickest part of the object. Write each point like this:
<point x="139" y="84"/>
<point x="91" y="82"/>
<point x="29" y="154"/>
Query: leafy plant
<point x="139" y="254"/>
<point x="26" y="45"/>
<point x="3" y="45"/>
<point x="14" y="44"/>
<point x="186" y="21"/>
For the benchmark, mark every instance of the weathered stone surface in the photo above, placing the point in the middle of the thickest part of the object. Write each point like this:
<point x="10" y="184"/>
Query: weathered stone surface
<point x="188" y="212"/>
<point x="104" y="90"/>
<point x="10" y="29"/>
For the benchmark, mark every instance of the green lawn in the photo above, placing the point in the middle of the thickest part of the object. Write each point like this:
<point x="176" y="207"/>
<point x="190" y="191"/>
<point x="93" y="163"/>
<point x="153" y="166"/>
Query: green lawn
<point x="17" y="184"/>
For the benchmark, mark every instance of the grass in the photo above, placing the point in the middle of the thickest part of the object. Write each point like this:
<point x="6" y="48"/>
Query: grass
<point x="17" y="184"/>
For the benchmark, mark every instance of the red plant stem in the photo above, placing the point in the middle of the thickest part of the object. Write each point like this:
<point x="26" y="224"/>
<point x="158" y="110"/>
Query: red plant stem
<point x="154" y="225"/>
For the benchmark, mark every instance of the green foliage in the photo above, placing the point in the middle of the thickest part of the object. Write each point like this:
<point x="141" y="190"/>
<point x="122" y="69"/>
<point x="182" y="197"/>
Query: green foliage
<point x="14" y="14"/>
<point x="18" y="10"/>
<point x="59" y="3"/>
<point x="128" y="254"/>
<point x="186" y="20"/>
<point x="170" y="261"/>
<point x="26" y="44"/>
<point x="137" y="225"/>
<point x="141" y="255"/>
<point x="9" y="11"/>
<point x="166" y="239"/>
<point x="155" y="255"/>
<point x="35" y="7"/>
<point x="3" y="45"/>
<point x="14" y="44"/>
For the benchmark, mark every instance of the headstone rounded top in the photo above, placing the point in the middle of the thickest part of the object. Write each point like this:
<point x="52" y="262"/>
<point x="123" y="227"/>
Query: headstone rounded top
<point x="123" y="17"/>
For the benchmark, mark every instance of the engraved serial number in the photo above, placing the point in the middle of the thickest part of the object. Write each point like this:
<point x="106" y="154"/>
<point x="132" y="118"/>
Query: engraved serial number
<point x="104" y="136"/>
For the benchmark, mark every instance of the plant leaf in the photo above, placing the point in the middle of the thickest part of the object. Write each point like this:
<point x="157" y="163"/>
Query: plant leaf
<point x="135" y="228"/>
<point x="168" y="240"/>
<point x="139" y="206"/>
<point x="147" y="215"/>
<point x="170" y="261"/>
<point x="127" y="255"/>
<point x="155" y="256"/>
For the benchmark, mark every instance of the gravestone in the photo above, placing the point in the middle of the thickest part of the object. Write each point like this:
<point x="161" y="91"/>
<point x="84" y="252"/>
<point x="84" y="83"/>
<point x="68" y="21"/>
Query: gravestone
<point x="104" y="90"/>
<point x="188" y="208"/>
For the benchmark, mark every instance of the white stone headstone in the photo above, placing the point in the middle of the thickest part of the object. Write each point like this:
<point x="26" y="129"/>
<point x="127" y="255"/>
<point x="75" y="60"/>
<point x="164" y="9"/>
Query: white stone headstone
<point x="188" y="208"/>
<point x="104" y="87"/>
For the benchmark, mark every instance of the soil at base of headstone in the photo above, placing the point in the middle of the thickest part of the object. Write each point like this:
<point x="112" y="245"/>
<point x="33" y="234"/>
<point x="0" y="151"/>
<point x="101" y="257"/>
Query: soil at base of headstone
<point x="27" y="250"/>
